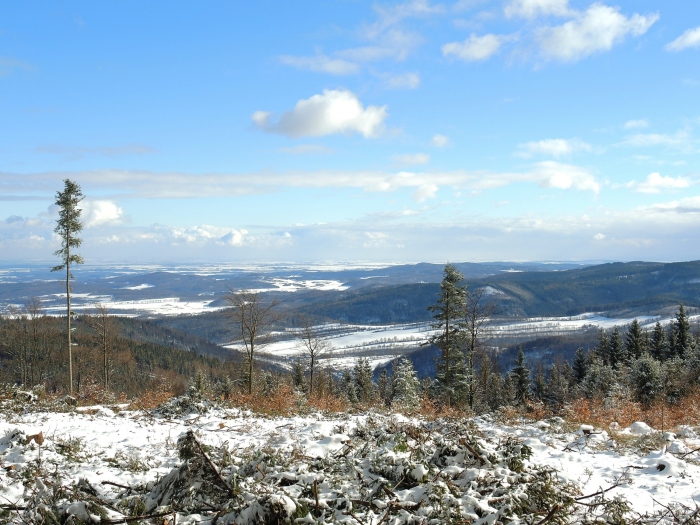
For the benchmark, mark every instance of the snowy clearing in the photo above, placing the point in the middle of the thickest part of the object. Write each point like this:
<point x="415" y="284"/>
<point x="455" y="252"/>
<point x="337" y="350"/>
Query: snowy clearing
<point x="230" y="466"/>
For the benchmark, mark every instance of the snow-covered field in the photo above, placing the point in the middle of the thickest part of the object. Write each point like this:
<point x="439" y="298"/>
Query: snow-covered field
<point x="381" y="344"/>
<point x="230" y="466"/>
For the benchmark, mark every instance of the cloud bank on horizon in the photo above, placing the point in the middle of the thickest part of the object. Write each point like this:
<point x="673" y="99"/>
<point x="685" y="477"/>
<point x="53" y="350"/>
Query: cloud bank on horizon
<point x="398" y="131"/>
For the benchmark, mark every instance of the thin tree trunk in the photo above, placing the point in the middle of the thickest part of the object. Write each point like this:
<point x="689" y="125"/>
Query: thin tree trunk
<point x="70" y="344"/>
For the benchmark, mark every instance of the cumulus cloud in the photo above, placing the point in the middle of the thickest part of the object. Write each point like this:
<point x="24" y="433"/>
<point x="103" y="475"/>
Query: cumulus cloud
<point x="233" y="238"/>
<point x="691" y="38"/>
<point x="552" y="147"/>
<point x="599" y="236"/>
<point x="100" y="213"/>
<point x="595" y="30"/>
<point x="201" y="235"/>
<point x="552" y="174"/>
<point x="322" y="64"/>
<point x="536" y="8"/>
<point x="656" y="183"/>
<point x="411" y="159"/>
<point x="16" y="221"/>
<point x="333" y="112"/>
<point x="426" y="191"/>
<point x="439" y="141"/>
<point x="475" y="48"/>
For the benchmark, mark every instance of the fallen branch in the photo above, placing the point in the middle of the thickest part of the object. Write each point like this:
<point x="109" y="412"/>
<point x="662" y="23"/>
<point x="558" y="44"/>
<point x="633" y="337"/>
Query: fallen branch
<point x="213" y="467"/>
<point x="549" y="516"/>
<point x="126" y="519"/>
<point x="12" y="507"/>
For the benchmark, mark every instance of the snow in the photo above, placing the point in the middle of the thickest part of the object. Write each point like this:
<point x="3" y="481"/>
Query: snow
<point x="138" y="287"/>
<point x="137" y="449"/>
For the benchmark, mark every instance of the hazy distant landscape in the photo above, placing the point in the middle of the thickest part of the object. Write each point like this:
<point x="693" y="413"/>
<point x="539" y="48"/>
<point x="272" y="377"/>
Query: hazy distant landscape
<point x="380" y="312"/>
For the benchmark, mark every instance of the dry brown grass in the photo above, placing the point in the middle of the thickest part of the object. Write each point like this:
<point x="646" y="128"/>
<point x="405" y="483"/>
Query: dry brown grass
<point x="328" y="403"/>
<point x="431" y="409"/>
<point x="154" y="397"/>
<point x="661" y="416"/>
<point x="282" y="402"/>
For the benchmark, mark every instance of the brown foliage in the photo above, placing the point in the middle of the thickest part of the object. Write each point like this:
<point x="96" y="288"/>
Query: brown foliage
<point x="625" y="412"/>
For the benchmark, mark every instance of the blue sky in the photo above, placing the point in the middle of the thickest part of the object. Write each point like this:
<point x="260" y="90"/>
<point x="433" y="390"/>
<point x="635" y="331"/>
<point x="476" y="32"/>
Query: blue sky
<point x="347" y="130"/>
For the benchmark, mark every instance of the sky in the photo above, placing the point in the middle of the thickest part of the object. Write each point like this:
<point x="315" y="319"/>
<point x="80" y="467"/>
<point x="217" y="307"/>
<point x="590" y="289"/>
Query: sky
<point x="468" y="130"/>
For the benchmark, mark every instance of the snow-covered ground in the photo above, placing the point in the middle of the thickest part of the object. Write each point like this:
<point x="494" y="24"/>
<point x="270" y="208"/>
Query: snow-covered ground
<point x="381" y="344"/>
<point x="331" y="468"/>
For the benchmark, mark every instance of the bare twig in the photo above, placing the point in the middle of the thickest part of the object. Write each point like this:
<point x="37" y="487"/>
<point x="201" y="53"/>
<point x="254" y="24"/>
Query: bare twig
<point x="116" y="485"/>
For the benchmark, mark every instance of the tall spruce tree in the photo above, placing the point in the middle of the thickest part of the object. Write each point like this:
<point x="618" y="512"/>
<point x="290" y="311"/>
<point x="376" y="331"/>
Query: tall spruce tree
<point x="682" y="336"/>
<point x="634" y="341"/>
<point x="364" y="386"/>
<point x="618" y="355"/>
<point x="406" y="386"/>
<point x="539" y="384"/>
<point x="581" y="362"/>
<point x="658" y="347"/>
<point x="521" y="378"/>
<point x="68" y="226"/>
<point x="602" y="349"/>
<point x="448" y="313"/>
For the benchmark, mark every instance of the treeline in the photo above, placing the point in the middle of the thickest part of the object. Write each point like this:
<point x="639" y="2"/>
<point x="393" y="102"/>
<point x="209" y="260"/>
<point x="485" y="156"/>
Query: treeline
<point x="111" y="355"/>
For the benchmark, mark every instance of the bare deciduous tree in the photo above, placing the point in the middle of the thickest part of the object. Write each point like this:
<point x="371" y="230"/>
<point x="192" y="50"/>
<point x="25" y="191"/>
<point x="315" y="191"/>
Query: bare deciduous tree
<point x="313" y="346"/>
<point x="107" y="331"/>
<point x="252" y="316"/>
<point x="477" y="314"/>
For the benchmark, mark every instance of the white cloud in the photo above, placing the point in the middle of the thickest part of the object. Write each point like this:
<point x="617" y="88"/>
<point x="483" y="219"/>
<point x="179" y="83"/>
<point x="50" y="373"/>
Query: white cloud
<point x="475" y="47"/>
<point x="394" y="44"/>
<point x="199" y="235"/>
<point x="552" y="147"/>
<point x="439" y="141"/>
<point x="426" y="191"/>
<point x="232" y="238"/>
<point x="100" y="213"/>
<point x="681" y="140"/>
<point x="322" y="64"/>
<point x="691" y="38"/>
<point x="552" y="174"/>
<point x="402" y="81"/>
<point x="535" y="8"/>
<point x="333" y="112"/>
<point x="636" y="124"/>
<point x="391" y="15"/>
<point x="681" y="210"/>
<point x="153" y="185"/>
<point x="599" y="236"/>
<point x="411" y="159"/>
<point x="596" y="30"/>
<point x="655" y="183"/>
